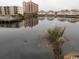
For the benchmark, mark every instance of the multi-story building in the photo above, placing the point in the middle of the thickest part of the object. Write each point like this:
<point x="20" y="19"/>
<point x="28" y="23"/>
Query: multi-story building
<point x="63" y="12"/>
<point x="42" y="12"/>
<point x="20" y="10"/>
<point x="72" y="55"/>
<point x="50" y="12"/>
<point x="8" y="10"/>
<point x="74" y="12"/>
<point x="30" y="8"/>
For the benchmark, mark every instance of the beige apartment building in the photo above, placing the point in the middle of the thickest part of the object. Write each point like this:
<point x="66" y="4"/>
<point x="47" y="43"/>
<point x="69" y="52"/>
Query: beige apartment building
<point x="8" y="10"/>
<point x="30" y="8"/>
<point x="20" y="10"/>
<point x="73" y="55"/>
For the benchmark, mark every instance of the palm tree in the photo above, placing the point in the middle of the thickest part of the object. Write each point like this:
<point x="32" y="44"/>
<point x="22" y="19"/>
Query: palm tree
<point x="55" y="38"/>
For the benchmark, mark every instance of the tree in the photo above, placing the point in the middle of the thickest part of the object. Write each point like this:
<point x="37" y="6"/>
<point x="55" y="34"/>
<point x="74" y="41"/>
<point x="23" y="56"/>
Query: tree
<point x="55" y="38"/>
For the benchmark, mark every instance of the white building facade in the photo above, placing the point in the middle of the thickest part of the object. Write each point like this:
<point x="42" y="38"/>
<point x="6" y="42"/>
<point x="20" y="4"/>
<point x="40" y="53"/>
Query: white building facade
<point x="9" y="10"/>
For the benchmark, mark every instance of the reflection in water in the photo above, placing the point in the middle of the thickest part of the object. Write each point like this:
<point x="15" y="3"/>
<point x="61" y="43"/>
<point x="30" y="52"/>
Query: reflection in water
<point x="62" y="19"/>
<point x="41" y="18"/>
<point x="26" y="22"/>
<point x="71" y="20"/>
<point x="50" y="18"/>
<point x="30" y="22"/>
<point x="9" y="24"/>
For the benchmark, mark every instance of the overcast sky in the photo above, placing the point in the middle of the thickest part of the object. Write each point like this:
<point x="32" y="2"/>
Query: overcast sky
<point x="46" y="4"/>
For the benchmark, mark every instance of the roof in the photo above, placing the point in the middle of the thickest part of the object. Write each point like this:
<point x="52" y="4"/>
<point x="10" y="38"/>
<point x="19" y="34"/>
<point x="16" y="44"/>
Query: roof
<point x="75" y="10"/>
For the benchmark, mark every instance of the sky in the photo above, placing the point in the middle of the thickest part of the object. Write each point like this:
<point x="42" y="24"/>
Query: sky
<point x="46" y="4"/>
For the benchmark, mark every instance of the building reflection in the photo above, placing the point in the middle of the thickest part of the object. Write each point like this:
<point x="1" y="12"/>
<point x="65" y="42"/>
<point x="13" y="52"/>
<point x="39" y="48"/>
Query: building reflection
<point x="9" y="24"/>
<point x="30" y="22"/>
<point x="71" y="20"/>
<point x="41" y="18"/>
<point x="62" y="19"/>
<point x="50" y="18"/>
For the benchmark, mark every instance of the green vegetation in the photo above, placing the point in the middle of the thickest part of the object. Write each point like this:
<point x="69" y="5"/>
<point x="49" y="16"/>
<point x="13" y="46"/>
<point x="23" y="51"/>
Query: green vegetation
<point x="55" y="39"/>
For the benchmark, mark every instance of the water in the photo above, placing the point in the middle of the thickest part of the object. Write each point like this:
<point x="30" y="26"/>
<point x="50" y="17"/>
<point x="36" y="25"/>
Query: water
<point x="21" y="40"/>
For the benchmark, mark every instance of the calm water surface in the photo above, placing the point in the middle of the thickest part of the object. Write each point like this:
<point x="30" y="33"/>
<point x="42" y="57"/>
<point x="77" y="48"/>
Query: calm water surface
<point x="21" y="40"/>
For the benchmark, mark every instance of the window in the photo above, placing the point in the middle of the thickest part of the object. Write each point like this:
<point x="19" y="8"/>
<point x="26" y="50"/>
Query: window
<point x="76" y="57"/>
